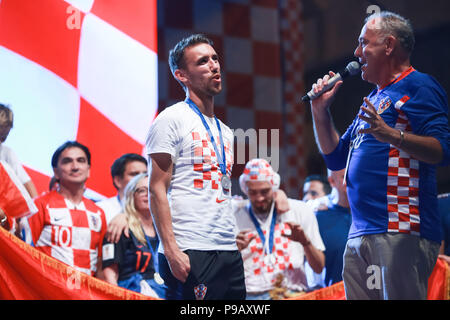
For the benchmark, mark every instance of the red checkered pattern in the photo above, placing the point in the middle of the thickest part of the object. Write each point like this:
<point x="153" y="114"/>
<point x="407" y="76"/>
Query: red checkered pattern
<point x="294" y="87"/>
<point x="246" y="34"/>
<point x="403" y="184"/>
<point x="259" y="170"/>
<point x="70" y="234"/>
<point x="205" y="161"/>
<point x="97" y="80"/>
<point x="81" y="70"/>
<point x="200" y="291"/>
<point x="383" y="105"/>
<point x="280" y="250"/>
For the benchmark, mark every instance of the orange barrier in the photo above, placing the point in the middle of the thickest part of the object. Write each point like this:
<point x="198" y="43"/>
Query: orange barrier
<point x="438" y="287"/>
<point x="439" y="282"/>
<point x="28" y="274"/>
<point x="333" y="292"/>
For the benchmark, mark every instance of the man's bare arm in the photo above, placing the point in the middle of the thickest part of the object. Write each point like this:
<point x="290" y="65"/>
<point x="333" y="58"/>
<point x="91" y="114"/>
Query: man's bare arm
<point x="159" y="184"/>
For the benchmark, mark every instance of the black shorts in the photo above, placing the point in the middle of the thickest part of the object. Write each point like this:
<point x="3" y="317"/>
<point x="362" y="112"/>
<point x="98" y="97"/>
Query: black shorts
<point x="214" y="275"/>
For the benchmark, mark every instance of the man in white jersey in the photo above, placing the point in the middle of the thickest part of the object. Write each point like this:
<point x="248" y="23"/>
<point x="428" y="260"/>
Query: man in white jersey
<point x="274" y="245"/>
<point x="191" y="158"/>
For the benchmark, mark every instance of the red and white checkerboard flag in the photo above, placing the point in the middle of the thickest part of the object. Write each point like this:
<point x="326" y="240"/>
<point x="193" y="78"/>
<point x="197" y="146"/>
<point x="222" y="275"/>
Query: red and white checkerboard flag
<point x="82" y="70"/>
<point x="15" y="201"/>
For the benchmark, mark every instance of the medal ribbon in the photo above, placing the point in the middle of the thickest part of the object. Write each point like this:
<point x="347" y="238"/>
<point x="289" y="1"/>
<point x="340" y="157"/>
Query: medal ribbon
<point x="259" y="230"/>
<point x="221" y="159"/>
<point x="154" y="258"/>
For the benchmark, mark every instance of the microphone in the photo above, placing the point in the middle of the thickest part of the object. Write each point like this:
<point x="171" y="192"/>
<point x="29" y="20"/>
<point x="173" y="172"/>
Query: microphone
<point x="351" y="69"/>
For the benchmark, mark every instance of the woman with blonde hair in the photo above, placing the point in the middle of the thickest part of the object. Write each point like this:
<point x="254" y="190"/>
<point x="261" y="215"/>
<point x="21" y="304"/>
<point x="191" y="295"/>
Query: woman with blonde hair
<point x="131" y="263"/>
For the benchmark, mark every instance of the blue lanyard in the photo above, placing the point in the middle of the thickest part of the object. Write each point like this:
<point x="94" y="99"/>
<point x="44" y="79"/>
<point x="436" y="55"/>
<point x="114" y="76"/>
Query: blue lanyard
<point x="222" y="159"/>
<point x="259" y="230"/>
<point x="155" y="259"/>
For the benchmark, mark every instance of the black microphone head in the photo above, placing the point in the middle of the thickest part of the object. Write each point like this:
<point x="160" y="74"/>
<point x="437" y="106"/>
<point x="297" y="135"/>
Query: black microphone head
<point x="353" y="68"/>
<point x="306" y="98"/>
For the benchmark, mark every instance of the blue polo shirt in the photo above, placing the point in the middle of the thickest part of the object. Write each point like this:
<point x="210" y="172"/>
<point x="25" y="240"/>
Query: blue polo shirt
<point x="388" y="190"/>
<point x="334" y="225"/>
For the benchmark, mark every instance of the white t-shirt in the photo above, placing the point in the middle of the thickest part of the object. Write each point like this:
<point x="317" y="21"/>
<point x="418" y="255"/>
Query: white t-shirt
<point x="111" y="207"/>
<point x="202" y="216"/>
<point x="8" y="155"/>
<point x="260" y="274"/>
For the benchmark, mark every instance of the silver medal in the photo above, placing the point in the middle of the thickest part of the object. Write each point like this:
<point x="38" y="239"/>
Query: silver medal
<point x="226" y="182"/>
<point x="273" y="259"/>
<point x="270" y="259"/>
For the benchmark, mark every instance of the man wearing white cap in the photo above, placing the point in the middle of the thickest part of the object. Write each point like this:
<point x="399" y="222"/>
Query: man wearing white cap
<point x="274" y="245"/>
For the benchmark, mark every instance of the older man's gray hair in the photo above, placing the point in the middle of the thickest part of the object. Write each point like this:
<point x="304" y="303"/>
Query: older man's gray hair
<point x="390" y="23"/>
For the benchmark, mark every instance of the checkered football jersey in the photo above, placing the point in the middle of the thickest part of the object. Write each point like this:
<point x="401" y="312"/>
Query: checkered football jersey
<point x="71" y="234"/>
<point x="202" y="216"/>
<point x="388" y="190"/>
<point x="288" y="256"/>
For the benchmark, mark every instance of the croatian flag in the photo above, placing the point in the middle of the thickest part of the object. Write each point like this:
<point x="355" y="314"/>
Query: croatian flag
<point x="15" y="201"/>
<point x="82" y="70"/>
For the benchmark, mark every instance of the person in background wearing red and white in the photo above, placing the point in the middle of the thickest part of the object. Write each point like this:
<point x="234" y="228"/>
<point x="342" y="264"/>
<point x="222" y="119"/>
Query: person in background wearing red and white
<point x="274" y="245"/>
<point x="68" y="226"/>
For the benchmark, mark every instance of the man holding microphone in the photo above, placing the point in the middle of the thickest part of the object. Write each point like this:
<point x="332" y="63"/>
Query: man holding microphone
<point x="390" y="152"/>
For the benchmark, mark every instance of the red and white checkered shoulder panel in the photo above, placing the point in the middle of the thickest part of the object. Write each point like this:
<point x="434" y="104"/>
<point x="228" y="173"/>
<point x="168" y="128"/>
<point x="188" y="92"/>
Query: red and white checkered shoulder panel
<point x="403" y="183"/>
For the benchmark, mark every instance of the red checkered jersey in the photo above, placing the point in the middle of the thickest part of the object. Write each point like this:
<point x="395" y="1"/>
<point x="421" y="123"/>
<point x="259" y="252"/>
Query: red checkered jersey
<point x="70" y="233"/>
